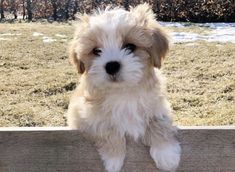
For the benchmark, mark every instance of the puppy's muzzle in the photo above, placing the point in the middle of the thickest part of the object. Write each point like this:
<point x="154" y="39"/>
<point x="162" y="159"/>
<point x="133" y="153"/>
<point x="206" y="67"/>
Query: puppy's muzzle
<point x="112" y="68"/>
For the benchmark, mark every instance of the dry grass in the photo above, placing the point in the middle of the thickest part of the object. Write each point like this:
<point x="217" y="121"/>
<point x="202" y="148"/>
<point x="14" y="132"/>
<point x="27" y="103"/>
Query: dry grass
<point x="37" y="80"/>
<point x="201" y="83"/>
<point x="35" y="77"/>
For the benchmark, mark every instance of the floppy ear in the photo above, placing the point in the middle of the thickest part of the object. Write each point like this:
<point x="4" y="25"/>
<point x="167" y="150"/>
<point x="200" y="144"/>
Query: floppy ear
<point x="159" y="47"/>
<point x="74" y="59"/>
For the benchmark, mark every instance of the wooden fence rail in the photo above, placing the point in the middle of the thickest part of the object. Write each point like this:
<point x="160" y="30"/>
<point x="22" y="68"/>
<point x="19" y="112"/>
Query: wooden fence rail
<point x="205" y="149"/>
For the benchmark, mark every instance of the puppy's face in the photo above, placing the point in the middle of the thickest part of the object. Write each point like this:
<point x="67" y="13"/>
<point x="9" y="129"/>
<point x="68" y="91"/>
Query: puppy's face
<point x="118" y="48"/>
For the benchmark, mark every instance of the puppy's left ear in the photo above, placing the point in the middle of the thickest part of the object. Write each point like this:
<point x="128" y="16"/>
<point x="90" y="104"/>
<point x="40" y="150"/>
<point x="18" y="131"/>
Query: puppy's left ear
<point x="160" y="46"/>
<point x="146" y="19"/>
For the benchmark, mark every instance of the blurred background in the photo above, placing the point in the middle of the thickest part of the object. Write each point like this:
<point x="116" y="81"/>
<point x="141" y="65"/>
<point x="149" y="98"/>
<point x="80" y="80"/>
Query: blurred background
<point x="166" y="10"/>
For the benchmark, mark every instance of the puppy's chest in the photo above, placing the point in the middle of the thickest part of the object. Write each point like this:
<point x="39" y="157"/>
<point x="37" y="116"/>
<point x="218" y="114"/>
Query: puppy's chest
<point x="128" y="113"/>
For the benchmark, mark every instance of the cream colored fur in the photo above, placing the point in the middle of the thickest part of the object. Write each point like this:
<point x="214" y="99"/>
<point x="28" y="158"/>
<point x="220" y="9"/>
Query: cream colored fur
<point x="135" y="103"/>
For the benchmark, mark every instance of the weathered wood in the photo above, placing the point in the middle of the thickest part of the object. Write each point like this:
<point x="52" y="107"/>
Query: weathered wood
<point x="207" y="149"/>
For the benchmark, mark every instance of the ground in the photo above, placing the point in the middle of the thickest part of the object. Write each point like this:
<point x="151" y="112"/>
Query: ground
<point x="37" y="79"/>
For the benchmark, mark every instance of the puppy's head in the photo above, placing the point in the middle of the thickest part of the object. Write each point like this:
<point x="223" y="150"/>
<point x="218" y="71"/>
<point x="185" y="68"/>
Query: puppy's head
<point x="118" y="48"/>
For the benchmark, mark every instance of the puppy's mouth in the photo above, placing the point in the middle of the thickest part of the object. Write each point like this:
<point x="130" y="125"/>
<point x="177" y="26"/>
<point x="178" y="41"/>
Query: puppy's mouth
<point x="114" y="78"/>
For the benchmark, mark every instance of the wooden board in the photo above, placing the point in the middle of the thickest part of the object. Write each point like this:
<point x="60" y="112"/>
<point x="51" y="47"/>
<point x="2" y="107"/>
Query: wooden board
<point x="207" y="149"/>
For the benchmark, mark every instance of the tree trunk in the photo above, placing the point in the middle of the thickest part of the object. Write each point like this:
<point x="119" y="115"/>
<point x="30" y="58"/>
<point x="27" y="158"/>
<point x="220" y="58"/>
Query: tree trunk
<point x="15" y="14"/>
<point x="126" y="4"/>
<point x="23" y="5"/>
<point x="54" y="5"/>
<point x="46" y="8"/>
<point x="1" y="9"/>
<point x="75" y="9"/>
<point x="155" y="5"/>
<point x="29" y="10"/>
<point x="67" y="9"/>
<point x="13" y="8"/>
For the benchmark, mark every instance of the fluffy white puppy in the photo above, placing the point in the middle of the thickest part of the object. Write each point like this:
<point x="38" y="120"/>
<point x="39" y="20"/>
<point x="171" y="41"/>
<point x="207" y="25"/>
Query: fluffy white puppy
<point x="120" y="93"/>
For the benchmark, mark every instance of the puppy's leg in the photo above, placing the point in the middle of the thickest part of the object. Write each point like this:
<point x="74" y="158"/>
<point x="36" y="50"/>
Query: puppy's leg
<point x="112" y="150"/>
<point x="164" y="147"/>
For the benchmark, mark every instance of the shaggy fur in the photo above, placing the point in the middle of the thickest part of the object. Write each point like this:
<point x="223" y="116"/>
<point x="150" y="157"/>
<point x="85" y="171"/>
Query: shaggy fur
<point x="133" y="101"/>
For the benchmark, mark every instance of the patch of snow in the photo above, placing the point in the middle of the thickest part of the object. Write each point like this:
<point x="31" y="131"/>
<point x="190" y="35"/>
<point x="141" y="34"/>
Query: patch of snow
<point x="215" y="25"/>
<point x="184" y="37"/>
<point x="222" y="35"/>
<point x="188" y="24"/>
<point x="60" y="35"/>
<point x="37" y="34"/>
<point x="48" y="39"/>
<point x="221" y="32"/>
<point x="219" y="35"/>
<point x="172" y="24"/>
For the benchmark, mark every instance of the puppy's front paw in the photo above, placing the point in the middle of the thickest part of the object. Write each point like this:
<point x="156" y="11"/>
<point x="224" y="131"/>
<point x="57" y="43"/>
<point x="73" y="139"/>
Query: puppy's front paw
<point x="113" y="164"/>
<point x="166" y="157"/>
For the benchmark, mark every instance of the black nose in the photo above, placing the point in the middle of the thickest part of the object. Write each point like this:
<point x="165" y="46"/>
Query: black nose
<point x="112" y="67"/>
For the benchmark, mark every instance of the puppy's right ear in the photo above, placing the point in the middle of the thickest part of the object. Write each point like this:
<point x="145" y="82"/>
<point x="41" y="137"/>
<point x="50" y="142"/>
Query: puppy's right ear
<point x="82" y="24"/>
<point x="74" y="59"/>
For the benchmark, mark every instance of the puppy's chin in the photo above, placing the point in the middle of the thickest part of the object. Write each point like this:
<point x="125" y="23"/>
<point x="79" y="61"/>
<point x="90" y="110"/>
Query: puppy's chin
<point x="112" y="82"/>
<point x="115" y="78"/>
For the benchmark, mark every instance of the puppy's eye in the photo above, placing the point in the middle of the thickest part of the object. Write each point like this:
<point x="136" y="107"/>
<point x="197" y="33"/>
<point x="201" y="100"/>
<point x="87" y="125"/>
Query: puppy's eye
<point x="96" y="51"/>
<point x="130" y="47"/>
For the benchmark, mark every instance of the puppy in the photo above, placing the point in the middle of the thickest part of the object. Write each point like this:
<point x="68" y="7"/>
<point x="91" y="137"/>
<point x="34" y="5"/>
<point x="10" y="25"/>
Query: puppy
<point x="118" y="54"/>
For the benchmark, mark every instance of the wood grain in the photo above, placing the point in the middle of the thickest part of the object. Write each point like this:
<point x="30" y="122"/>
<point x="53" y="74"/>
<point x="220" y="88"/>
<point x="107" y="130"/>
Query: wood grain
<point x="62" y="150"/>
